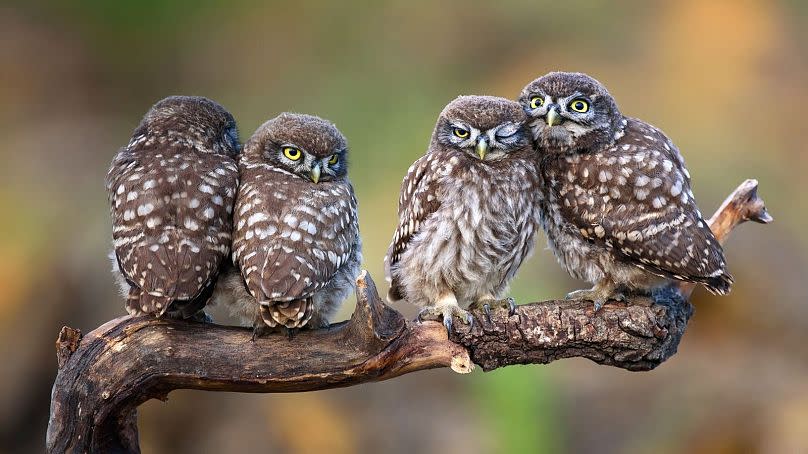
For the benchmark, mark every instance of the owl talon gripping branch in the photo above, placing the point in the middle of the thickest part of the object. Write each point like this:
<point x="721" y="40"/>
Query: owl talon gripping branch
<point x="598" y="295"/>
<point x="486" y="303"/>
<point x="446" y="314"/>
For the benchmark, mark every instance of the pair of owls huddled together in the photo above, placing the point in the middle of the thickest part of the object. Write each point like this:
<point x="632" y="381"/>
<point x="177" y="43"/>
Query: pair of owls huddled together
<point x="611" y="193"/>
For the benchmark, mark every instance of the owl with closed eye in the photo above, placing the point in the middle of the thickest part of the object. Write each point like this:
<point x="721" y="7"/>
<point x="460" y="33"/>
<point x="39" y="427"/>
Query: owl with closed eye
<point x="296" y="240"/>
<point x="468" y="211"/>
<point x="619" y="211"/>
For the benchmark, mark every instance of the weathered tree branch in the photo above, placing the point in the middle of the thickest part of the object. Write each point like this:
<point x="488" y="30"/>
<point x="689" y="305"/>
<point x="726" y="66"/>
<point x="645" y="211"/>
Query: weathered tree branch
<point x="106" y="374"/>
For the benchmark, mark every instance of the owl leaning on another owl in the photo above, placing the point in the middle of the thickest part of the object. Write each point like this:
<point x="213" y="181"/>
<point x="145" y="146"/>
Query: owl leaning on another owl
<point x="618" y="211"/>
<point x="296" y="238"/>
<point x="172" y="190"/>
<point x="468" y="211"/>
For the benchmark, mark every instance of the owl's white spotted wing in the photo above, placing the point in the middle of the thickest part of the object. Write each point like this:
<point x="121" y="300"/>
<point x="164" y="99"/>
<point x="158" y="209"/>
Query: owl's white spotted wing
<point x="418" y="200"/>
<point x="290" y="248"/>
<point x="171" y="223"/>
<point x="635" y="199"/>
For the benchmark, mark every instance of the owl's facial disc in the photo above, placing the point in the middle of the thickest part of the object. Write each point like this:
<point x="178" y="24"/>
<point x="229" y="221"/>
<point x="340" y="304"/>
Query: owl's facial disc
<point x="560" y="121"/>
<point x="310" y="166"/>
<point x="571" y="112"/>
<point x="487" y="144"/>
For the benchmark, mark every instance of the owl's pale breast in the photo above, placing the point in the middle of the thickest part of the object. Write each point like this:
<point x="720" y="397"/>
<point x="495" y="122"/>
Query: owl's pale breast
<point x="477" y="239"/>
<point x="575" y="254"/>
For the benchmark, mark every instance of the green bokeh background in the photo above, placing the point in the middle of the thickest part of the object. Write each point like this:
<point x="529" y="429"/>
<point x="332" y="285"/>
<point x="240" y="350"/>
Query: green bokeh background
<point x="725" y="79"/>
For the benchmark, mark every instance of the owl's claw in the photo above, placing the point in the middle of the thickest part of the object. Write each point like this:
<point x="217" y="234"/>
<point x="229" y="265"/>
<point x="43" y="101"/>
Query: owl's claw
<point x="598" y="295"/>
<point x="259" y="331"/>
<point x="290" y="332"/>
<point x="486" y="304"/>
<point x="448" y="323"/>
<point x="511" y="306"/>
<point x="446" y="314"/>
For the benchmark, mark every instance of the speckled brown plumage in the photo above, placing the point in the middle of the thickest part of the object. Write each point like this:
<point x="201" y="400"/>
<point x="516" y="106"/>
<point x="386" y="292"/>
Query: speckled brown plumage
<point x="468" y="209"/>
<point x="171" y="191"/>
<point x="296" y="240"/>
<point x="619" y="208"/>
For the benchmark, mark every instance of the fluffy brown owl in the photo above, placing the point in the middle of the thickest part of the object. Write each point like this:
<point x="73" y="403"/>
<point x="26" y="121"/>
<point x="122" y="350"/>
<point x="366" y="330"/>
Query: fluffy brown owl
<point x="172" y="190"/>
<point x="468" y="210"/>
<point x="296" y="239"/>
<point x="619" y="210"/>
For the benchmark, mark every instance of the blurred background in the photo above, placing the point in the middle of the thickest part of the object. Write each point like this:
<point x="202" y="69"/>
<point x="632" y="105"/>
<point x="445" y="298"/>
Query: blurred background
<point x="726" y="79"/>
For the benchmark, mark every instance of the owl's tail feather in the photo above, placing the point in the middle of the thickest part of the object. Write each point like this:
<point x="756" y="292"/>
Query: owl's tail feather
<point x="719" y="285"/>
<point x="291" y="314"/>
<point x="141" y="302"/>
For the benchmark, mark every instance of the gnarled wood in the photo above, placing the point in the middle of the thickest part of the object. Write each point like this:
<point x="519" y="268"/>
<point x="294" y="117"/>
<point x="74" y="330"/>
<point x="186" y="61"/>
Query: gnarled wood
<point x="106" y="374"/>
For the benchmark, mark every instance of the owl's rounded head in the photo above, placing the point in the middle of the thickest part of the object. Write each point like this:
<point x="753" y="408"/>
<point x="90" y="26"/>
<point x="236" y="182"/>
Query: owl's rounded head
<point x="192" y="121"/>
<point x="304" y="145"/>
<point x="485" y="127"/>
<point x="571" y="112"/>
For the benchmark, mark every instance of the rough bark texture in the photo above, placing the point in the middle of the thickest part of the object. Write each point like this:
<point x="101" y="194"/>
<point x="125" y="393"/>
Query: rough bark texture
<point x="106" y="374"/>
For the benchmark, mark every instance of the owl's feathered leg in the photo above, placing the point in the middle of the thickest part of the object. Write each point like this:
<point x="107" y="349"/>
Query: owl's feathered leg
<point x="602" y="292"/>
<point x="489" y="301"/>
<point x="444" y="310"/>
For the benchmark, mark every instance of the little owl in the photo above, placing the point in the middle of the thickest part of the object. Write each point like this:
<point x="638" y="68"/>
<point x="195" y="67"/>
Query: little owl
<point x="468" y="211"/>
<point x="296" y="238"/>
<point x="618" y="209"/>
<point x="172" y="190"/>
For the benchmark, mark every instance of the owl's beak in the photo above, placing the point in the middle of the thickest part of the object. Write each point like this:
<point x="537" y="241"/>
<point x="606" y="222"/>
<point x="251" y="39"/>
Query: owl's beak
<point x="553" y="117"/>
<point x="482" y="147"/>
<point x="315" y="174"/>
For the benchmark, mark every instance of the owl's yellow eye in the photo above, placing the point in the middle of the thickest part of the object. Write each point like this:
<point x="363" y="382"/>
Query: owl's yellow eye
<point x="292" y="153"/>
<point x="579" y="105"/>
<point x="460" y="132"/>
<point x="333" y="159"/>
<point x="536" y="102"/>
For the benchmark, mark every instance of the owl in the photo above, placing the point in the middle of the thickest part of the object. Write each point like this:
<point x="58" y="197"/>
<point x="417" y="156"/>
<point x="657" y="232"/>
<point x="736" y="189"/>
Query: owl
<point x="296" y="238"/>
<point x="618" y="209"/>
<point x="468" y="211"/>
<point x="171" y="191"/>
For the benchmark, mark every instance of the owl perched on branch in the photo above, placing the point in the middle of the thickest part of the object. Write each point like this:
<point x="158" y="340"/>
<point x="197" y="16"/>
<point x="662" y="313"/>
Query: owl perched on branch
<point x="468" y="211"/>
<point x="172" y="190"/>
<point x="296" y="238"/>
<point x="619" y="210"/>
